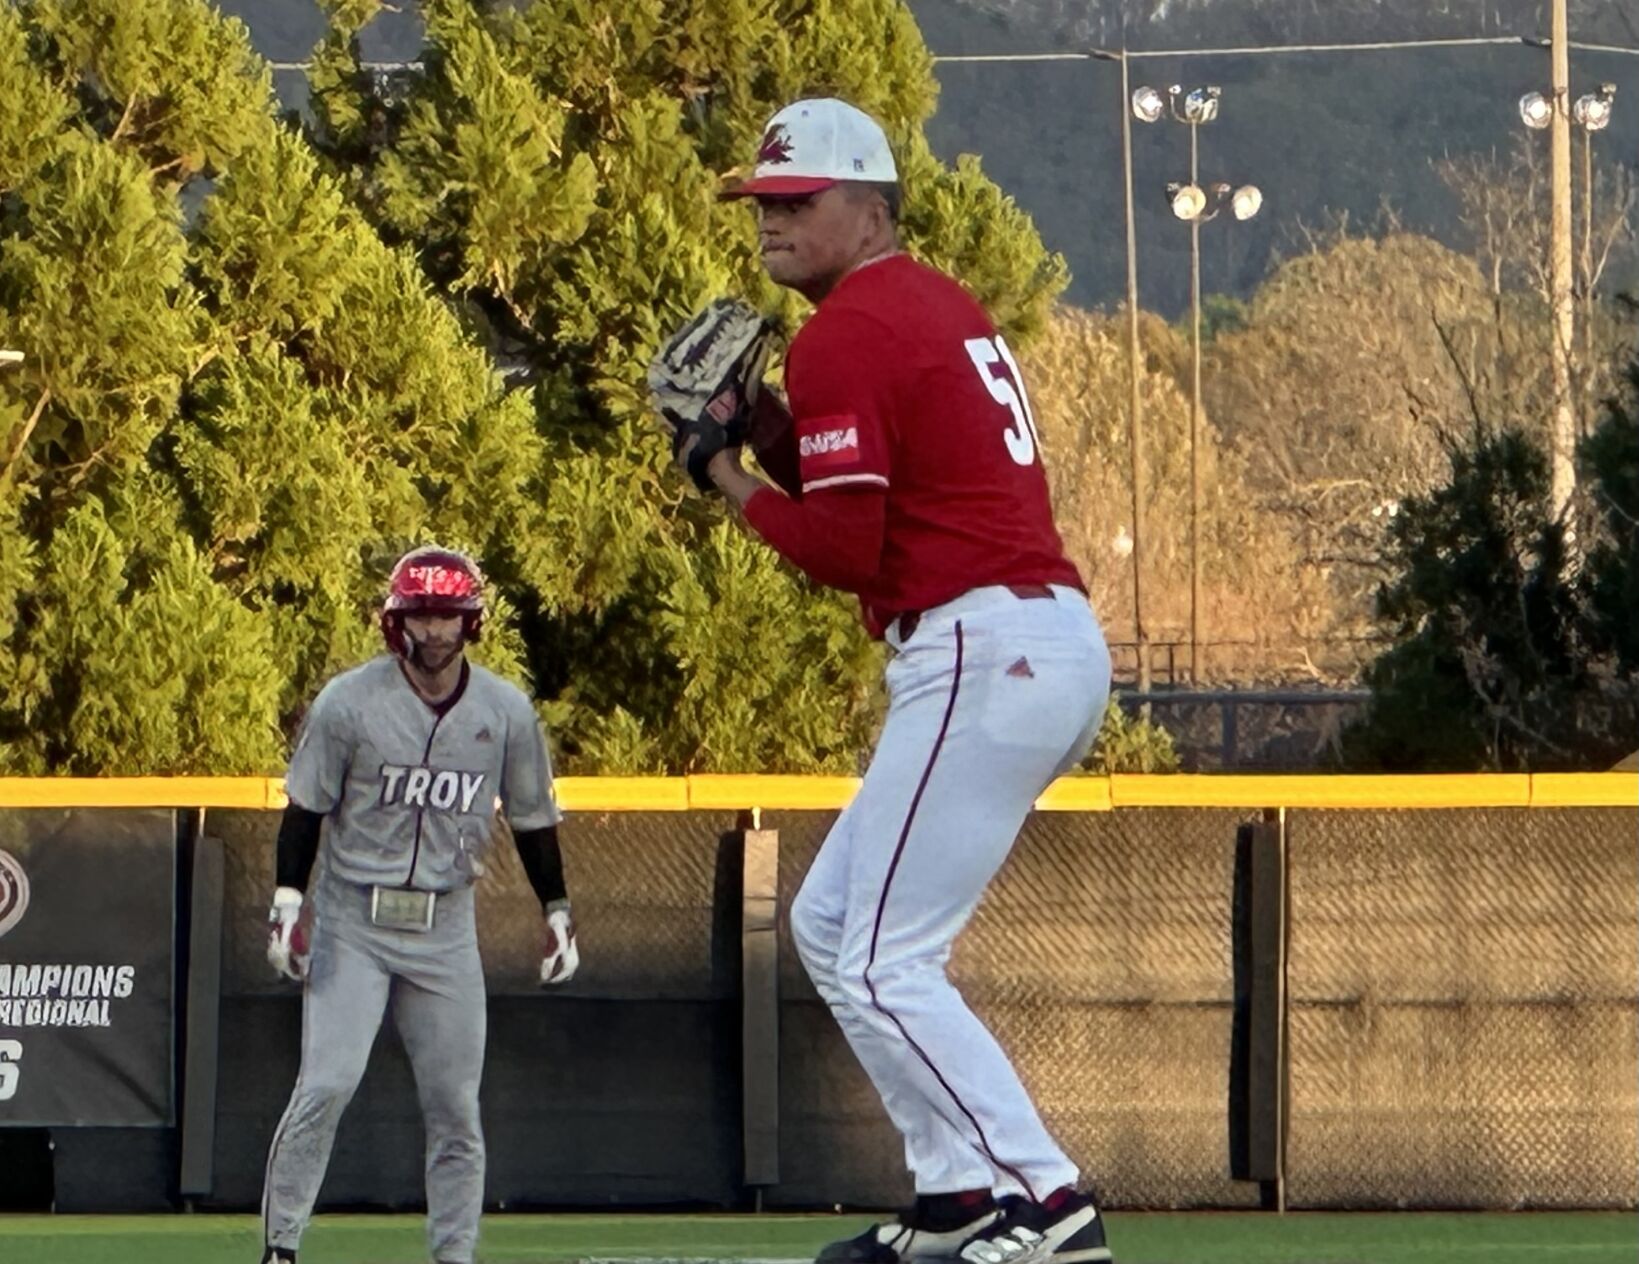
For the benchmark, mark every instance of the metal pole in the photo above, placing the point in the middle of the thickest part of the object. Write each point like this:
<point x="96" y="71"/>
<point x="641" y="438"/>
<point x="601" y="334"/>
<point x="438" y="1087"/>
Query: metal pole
<point x="1284" y="1057"/>
<point x="1135" y="402"/>
<point x="1587" y="395"/>
<point x="1195" y="418"/>
<point x="1559" y="265"/>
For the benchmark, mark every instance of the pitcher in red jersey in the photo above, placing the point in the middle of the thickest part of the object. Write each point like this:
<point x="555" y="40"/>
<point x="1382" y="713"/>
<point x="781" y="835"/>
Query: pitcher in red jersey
<point x="910" y="474"/>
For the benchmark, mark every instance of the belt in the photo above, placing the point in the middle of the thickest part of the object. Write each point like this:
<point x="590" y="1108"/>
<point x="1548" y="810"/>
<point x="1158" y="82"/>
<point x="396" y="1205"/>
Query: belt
<point x="401" y="908"/>
<point x="906" y="623"/>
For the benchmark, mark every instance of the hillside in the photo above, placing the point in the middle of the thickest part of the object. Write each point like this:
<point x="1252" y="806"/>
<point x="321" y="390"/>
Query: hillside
<point x="1323" y="134"/>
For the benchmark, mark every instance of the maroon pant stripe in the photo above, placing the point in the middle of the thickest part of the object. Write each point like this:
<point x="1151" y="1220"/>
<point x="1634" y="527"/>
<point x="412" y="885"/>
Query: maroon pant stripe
<point x="881" y="907"/>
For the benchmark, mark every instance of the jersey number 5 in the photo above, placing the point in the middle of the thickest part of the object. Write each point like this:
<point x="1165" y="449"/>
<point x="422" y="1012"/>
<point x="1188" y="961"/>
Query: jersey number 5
<point x="1007" y="389"/>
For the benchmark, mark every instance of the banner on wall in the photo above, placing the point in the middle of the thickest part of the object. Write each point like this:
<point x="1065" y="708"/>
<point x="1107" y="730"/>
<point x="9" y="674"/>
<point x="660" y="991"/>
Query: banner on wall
<point x="87" y="935"/>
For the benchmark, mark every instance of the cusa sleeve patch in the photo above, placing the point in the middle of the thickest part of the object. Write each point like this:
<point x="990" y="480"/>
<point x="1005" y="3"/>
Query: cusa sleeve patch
<point x="838" y="450"/>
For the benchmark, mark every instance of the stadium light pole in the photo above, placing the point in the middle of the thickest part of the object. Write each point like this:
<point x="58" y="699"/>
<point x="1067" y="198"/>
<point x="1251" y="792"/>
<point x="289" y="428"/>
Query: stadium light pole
<point x="1195" y="206"/>
<point x="1591" y="113"/>
<point x="1555" y="114"/>
<point x="1194" y="402"/>
<point x="1135" y="402"/>
<point x="1552" y="113"/>
<point x="1133" y="545"/>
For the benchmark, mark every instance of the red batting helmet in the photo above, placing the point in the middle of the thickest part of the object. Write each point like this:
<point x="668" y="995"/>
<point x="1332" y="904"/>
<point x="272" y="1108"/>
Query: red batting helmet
<point x="433" y="581"/>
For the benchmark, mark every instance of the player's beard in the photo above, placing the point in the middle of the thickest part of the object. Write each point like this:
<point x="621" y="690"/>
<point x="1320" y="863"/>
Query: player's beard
<point x="432" y="657"/>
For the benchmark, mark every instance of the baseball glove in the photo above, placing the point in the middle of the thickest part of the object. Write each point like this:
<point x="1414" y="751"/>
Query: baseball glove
<point x="705" y="378"/>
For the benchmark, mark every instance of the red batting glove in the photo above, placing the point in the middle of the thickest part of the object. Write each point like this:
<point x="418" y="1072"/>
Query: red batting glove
<point x="288" y="948"/>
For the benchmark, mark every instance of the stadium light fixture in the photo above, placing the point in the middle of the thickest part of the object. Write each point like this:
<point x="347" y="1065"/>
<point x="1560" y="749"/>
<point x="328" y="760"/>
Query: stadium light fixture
<point x="1536" y="111"/>
<point x="1246" y="201"/>
<point x="1593" y="111"/>
<point x="1148" y="105"/>
<point x="1197" y="106"/>
<point x="1194" y="204"/>
<point x="1188" y="201"/>
<point x="1201" y="104"/>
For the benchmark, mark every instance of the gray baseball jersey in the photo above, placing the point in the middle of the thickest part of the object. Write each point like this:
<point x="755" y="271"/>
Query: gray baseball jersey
<point x="411" y="791"/>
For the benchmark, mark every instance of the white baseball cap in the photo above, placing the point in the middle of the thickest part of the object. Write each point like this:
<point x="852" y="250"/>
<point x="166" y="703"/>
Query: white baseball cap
<point x="815" y="143"/>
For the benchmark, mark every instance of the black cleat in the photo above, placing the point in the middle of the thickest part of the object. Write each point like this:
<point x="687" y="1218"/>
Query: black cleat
<point x="918" y="1233"/>
<point x="1028" y="1233"/>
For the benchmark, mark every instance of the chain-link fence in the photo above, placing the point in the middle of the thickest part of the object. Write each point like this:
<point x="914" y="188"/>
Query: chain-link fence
<point x="1463" y="993"/>
<point x="1463" y="1008"/>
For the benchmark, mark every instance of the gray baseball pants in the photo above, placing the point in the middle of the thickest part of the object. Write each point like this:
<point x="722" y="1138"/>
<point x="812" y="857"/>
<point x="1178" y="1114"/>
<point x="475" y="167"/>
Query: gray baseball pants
<point x="434" y="983"/>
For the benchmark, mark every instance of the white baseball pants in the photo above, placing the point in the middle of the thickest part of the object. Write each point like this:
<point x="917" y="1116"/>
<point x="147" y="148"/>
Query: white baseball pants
<point x="991" y="697"/>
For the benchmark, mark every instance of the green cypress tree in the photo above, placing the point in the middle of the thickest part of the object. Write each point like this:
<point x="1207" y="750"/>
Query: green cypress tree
<point x="356" y="419"/>
<point x="230" y="419"/>
<point x="259" y="364"/>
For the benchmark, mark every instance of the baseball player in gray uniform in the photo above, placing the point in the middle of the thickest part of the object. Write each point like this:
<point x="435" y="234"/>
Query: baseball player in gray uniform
<point x="402" y="766"/>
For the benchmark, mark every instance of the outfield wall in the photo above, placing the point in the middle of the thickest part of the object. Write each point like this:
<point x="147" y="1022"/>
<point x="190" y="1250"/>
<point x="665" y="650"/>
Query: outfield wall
<point x="1455" y="974"/>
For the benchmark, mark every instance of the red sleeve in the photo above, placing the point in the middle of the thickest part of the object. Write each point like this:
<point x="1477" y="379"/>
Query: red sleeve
<point x="840" y="376"/>
<point x="834" y="537"/>
<point x="774" y="440"/>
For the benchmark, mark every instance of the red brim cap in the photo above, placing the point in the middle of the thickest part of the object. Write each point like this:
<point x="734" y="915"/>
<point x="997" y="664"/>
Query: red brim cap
<point x="778" y="186"/>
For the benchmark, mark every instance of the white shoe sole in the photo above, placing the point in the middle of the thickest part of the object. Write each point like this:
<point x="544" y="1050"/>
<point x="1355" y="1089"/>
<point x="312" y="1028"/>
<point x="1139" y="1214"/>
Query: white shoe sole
<point x="1050" y="1252"/>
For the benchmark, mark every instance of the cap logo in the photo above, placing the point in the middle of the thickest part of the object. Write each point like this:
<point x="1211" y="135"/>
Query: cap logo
<point x="776" y="146"/>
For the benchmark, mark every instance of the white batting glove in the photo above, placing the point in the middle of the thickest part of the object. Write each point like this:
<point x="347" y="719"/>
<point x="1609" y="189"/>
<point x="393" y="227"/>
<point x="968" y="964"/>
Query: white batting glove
<point x="287" y="941"/>
<point x="562" y="957"/>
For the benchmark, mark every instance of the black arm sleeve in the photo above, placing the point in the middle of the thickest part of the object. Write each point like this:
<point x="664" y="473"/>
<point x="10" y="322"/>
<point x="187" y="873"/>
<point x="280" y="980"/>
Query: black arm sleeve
<point x="298" y="846"/>
<point x="543" y="863"/>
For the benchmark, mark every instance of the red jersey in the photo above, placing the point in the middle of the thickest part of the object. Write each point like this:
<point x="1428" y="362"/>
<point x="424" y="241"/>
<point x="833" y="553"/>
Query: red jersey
<point x="900" y="388"/>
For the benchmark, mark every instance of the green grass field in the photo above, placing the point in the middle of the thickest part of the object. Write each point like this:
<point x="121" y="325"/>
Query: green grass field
<point x="1191" y="1238"/>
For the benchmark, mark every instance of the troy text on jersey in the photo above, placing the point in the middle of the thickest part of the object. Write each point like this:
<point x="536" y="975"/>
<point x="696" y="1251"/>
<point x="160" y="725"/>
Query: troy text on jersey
<point x="420" y="787"/>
